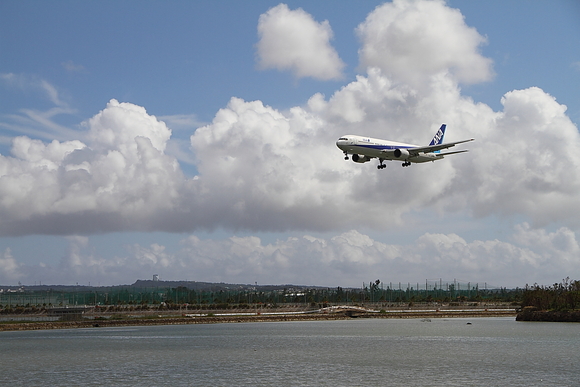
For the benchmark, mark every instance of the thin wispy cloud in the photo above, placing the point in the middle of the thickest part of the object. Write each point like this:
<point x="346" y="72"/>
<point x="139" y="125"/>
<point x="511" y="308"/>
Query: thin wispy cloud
<point x="72" y="67"/>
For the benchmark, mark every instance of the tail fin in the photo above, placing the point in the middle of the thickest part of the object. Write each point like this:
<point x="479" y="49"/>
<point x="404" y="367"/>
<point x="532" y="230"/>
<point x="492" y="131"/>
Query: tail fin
<point x="438" y="139"/>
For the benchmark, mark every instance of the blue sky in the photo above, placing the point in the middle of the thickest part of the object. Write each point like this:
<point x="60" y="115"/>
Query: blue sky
<point x="238" y="179"/>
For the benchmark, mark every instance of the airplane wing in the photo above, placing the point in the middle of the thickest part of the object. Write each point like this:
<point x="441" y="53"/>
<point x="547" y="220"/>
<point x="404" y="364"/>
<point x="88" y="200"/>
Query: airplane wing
<point x="433" y="148"/>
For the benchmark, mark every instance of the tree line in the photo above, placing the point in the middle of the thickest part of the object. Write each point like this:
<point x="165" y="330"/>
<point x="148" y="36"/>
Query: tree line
<point x="374" y="292"/>
<point x="561" y="296"/>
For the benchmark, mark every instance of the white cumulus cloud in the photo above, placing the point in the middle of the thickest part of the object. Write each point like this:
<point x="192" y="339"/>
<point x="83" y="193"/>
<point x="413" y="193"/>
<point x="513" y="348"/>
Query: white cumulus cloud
<point x="293" y="40"/>
<point x="10" y="269"/>
<point x="263" y="169"/>
<point x="414" y="40"/>
<point x="528" y="162"/>
<point x="347" y="259"/>
<point x="121" y="175"/>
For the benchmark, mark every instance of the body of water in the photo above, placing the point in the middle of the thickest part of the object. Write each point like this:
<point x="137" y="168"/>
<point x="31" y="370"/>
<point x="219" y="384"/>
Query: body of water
<point x="356" y="352"/>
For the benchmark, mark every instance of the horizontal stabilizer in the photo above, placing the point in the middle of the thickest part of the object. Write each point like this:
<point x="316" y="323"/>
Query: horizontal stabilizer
<point x="433" y="148"/>
<point x="452" y="153"/>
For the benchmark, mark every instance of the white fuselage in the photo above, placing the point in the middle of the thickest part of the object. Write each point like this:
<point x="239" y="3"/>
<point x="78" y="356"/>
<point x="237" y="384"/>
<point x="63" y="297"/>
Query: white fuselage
<point x="382" y="149"/>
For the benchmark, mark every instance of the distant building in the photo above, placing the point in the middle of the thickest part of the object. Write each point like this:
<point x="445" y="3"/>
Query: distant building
<point x="155" y="277"/>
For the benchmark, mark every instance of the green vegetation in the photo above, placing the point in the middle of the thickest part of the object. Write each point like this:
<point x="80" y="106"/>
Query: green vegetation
<point x="223" y="297"/>
<point x="556" y="303"/>
<point x="564" y="296"/>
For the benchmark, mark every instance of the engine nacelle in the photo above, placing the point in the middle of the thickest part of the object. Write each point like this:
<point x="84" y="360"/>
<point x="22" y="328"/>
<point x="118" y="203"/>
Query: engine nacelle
<point x="360" y="159"/>
<point x="401" y="153"/>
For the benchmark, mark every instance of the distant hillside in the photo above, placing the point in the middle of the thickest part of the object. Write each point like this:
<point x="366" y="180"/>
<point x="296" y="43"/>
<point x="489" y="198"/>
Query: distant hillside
<point x="147" y="284"/>
<point x="210" y="286"/>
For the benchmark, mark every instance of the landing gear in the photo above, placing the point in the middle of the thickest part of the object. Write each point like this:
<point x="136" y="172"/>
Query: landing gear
<point x="381" y="165"/>
<point x="406" y="163"/>
<point x="345" y="156"/>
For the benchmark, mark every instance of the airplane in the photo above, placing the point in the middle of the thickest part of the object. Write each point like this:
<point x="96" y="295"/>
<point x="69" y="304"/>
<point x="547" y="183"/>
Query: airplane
<point x="365" y="149"/>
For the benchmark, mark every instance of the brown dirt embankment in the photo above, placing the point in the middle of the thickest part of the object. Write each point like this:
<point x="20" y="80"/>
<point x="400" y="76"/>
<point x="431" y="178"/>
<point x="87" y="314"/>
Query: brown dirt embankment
<point x="85" y="323"/>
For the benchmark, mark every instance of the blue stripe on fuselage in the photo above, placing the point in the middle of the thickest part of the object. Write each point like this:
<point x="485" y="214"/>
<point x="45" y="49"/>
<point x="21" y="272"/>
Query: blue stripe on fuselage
<point x="383" y="147"/>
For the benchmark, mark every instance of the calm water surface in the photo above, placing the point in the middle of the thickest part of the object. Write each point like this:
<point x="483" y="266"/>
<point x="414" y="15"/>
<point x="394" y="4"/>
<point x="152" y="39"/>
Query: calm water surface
<point x="357" y="352"/>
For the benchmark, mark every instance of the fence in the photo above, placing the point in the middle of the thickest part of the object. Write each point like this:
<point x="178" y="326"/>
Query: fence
<point x="429" y="291"/>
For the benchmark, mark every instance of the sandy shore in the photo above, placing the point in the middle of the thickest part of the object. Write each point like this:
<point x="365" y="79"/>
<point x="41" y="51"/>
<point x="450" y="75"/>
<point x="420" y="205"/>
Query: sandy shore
<point x="232" y="318"/>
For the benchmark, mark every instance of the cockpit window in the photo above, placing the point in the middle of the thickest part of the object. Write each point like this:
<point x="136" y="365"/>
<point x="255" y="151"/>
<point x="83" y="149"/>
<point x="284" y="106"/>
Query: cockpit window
<point x="343" y="138"/>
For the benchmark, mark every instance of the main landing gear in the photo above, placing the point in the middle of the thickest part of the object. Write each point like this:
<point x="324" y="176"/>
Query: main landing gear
<point x="381" y="165"/>
<point x="406" y="163"/>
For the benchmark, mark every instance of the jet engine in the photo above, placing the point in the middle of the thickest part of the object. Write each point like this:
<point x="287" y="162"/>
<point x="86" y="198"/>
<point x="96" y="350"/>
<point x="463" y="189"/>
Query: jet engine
<point x="360" y="159"/>
<point x="401" y="153"/>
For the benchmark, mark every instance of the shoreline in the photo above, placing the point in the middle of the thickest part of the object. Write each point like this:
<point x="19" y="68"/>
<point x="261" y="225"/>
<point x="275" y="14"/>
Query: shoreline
<point x="233" y="318"/>
<point x="532" y="314"/>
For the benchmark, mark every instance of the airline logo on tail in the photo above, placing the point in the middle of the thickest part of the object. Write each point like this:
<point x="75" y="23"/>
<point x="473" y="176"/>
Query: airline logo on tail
<point x="438" y="139"/>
